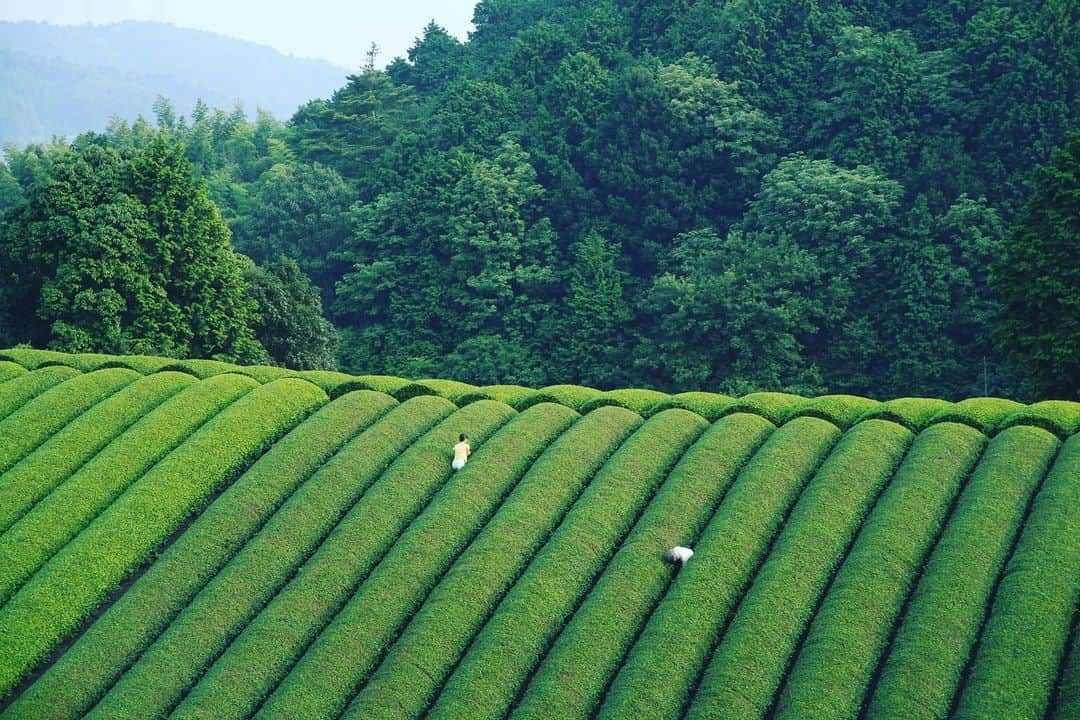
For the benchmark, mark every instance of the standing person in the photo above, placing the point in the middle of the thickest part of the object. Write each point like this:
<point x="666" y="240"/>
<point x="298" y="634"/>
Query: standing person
<point x="461" y="452"/>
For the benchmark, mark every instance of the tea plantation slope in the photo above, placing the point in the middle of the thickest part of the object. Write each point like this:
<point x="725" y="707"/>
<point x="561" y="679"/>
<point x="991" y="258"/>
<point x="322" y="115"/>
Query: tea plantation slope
<point x="195" y="539"/>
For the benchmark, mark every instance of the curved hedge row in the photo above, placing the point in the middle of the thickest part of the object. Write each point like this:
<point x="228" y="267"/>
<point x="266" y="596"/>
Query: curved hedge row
<point x="682" y="632"/>
<point x="501" y="656"/>
<point x="988" y="415"/>
<point x="923" y="669"/>
<point x="436" y="637"/>
<point x="80" y="576"/>
<point x="1025" y="636"/>
<point x="333" y="668"/>
<point x="1067" y="702"/>
<point x="269" y="646"/>
<point x="25" y="429"/>
<point x="749" y="663"/>
<point x="9" y="370"/>
<point x="156" y="683"/>
<point x="80" y="676"/>
<point x="571" y="681"/>
<point x="850" y="631"/>
<point x="65" y="502"/>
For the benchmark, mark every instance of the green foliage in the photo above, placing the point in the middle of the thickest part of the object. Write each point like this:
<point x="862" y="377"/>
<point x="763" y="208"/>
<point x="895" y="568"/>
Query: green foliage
<point x="851" y="629"/>
<point x="9" y="370"/>
<point x="841" y="410"/>
<point x="571" y="681"/>
<point x="124" y="254"/>
<point x="55" y="490"/>
<point x="984" y="414"/>
<point x="364" y="629"/>
<point x="288" y="321"/>
<point x="681" y="633"/>
<point x="80" y="576"/>
<point x="913" y="413"/>
<point x="504" y="653"/>
<point x="17" y="392"/>
<point x="923" y="670"/>
<point x="640" y="401"/>
<point x="710" y="406"/>
<point x="748" y="665"/>
<point x="1038" y="279"/>
<point x="181" y="654"/>
<point x="411" y="674"/>
<point x="1024" y="640"/>
<point x="129" y="625"/>
<point x="24" y="430"/>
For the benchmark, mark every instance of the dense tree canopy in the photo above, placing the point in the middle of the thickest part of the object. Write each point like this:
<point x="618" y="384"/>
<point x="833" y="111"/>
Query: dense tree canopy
<point x="792" y="195"/>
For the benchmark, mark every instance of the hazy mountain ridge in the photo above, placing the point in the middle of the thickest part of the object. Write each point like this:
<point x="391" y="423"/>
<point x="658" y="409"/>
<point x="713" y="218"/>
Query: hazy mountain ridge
<point x="64" y="80"/>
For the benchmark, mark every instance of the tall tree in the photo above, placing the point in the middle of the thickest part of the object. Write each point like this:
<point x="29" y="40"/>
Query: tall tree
<point x="1038" y="279"/>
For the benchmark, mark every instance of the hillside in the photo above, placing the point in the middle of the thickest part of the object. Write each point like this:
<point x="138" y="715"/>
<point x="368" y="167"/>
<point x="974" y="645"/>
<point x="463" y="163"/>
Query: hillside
<point x="196" y="539"/>
<point x="67" y="80"/>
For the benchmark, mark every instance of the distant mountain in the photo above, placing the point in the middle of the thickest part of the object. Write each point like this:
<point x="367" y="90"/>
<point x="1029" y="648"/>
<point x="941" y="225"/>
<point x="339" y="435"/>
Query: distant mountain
<point x="58" y="80"/>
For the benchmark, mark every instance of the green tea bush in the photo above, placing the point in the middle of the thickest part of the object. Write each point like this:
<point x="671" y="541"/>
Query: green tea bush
<point x="922" y="671"/>
<point x="571" y="681"/>
<point x="1024" y="640"/>
<point x="24" y="430"/>
<point x="333" y="668"/>
<point x="710" y="406"/>
<point x="156" y="683"/>
<point x="983" y="414"/>
<point x="78" y="679"/>
<point x="32" y="536"/>
<point x="843" y="411"/>
<point x="852" y="627"/>
<point x="915" y="414"/>
<point x="78" y="578"/>
<point x="776" y="407"/>
<point x="683" y="629"/>
<point x="20" y="390"/>
<point x="440" y="632"/>
<point x="533" y="612"/>
<point x="749" y="663"/>
<point x="640" y="401"/>
<point x="1060" y="417"/>
<point x="9" y="370"/>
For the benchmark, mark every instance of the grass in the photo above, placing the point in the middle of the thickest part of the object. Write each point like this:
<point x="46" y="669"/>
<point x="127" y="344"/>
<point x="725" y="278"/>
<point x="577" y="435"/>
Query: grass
<point x="852" y="628"/>
<point x="749" y="663"/>
<point x="923" y="670"/>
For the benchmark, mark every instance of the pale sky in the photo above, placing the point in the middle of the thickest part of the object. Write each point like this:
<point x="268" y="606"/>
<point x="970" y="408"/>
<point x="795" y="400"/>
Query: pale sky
<point x="339" y="31"/>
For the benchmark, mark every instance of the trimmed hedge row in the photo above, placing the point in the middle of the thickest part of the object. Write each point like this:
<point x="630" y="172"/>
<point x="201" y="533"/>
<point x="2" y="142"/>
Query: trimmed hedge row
<point x="64" y="593"/>
<point x="32" y="358"/>
<point x="20" y="390"/>
<point x="749" y="663"/>
<point x="24" y="430"/>
<point x="776" y="407"/>
<point x="915" y="414"/>
<point x="533" y="612"/>
<point x="984" y="414"/>
<point x="337" y="663"/>
<point x="681" y="633"/>
<point x="571" y="681"/>
<point x="640" y="401"/>
<point x="240" y="590"/>
<point x="572" y="396"/>
<point x="1057" y="416"/>
<point x="710" y="406"/>
<point x="9" y="370"/>
<point x="850" y="632"/>
<point x="437" y="636"/>
<point x="1067" y="702"/>
<point x="926" y="661"/>
<point x="842" y="411"/>
<point x="79" y="677"/>
<point x="45" y="504"/>
<point x="1024" y="640"/>
<point x="268" y="647"/>
<point x="512" y="395"/>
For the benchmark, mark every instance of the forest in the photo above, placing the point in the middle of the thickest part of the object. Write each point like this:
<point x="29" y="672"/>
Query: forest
<point x="812" y="196"/>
